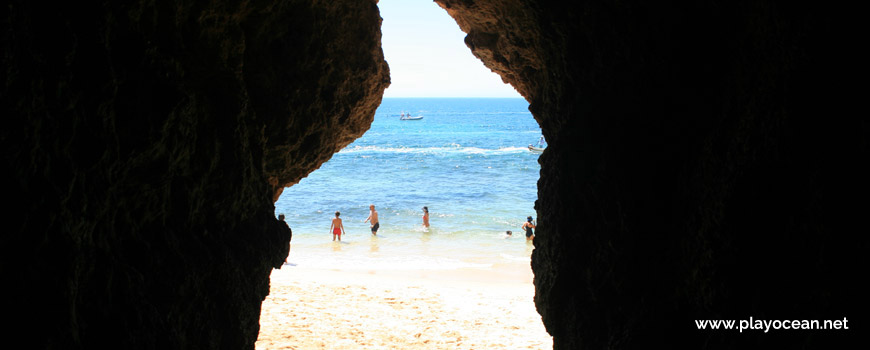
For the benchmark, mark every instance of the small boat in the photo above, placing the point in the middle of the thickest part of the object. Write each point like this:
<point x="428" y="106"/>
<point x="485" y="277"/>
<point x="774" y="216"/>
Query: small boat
<point x="539" y="147"/>
<point x="409" y="117"/>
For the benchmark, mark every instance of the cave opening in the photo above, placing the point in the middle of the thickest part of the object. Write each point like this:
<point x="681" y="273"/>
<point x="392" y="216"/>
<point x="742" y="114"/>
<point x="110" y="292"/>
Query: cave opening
<point x="701" y="164"/>
<point x="466" y="160"/>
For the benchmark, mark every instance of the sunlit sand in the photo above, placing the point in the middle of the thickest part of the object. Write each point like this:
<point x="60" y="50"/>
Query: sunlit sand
<point x="351" y="309"/>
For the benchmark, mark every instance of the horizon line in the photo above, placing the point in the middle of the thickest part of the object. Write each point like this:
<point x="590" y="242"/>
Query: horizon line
<point x="520" y="97"/>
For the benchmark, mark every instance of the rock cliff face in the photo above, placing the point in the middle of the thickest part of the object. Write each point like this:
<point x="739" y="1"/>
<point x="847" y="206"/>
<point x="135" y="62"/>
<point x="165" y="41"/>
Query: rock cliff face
<point x="143" y="145"/>
<point x="702" y="163"/>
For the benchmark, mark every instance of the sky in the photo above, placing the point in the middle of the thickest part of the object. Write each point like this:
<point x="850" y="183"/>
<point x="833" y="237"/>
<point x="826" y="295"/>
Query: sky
<point x="427" y="54"/>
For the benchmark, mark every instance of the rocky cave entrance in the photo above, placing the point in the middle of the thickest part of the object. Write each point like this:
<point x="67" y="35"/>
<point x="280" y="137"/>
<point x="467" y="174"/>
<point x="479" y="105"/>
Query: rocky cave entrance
<point x="467" y="160"/>
<point x="694" y="146"/>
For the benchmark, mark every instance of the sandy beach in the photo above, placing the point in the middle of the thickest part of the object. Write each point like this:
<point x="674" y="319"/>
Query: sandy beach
<point x="352" y="309"/>
<point x="459" y="283"/>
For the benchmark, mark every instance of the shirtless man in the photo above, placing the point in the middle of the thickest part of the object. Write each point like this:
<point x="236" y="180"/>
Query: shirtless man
<point x="373" y="217"/>
<point x="337" y="227"/>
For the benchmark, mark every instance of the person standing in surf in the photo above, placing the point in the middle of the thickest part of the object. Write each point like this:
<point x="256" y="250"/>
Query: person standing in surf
<point x="373" y="217"/>
<point x="528" y="226"/>
<point x="337" y="227"/>
<point x="281" y="219"/>
<point x="426" y="216"/>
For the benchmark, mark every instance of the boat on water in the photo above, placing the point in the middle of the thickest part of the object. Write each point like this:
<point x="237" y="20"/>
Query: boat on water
<point x="409" y="117"/>
<point x="539" y="147"/>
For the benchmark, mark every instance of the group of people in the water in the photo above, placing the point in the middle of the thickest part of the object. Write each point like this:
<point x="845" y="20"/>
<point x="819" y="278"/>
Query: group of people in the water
<point x="337" y="227"/>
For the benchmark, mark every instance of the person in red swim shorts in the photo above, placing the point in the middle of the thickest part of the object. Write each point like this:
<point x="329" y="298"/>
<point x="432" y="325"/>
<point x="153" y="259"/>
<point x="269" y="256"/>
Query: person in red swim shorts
<point x="337" y="227"/>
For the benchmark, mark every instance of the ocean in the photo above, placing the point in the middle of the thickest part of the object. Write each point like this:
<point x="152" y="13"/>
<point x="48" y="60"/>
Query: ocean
<point x="467" y="160"/>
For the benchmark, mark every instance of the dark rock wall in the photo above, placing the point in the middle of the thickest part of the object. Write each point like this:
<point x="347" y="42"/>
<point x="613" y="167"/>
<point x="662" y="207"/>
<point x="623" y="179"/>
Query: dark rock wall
<point x="143" y="145"/>
<point x="706" y="161"/>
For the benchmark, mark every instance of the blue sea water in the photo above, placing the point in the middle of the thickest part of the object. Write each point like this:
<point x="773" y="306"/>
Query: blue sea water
<point x="467" y="160"/>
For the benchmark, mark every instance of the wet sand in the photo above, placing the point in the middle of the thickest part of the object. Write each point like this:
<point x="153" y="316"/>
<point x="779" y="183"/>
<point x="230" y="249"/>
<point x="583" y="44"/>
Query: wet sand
<point x="355" y="309"/>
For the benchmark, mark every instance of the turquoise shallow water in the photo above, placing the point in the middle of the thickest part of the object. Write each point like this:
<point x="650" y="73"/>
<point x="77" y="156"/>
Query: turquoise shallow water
<point x="466" y="160"/>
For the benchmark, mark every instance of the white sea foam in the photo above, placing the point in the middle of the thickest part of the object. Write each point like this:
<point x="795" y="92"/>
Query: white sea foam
<point x="353" y="261"/>
<point x="432" y="150"/>
<point x="515" y="258"/>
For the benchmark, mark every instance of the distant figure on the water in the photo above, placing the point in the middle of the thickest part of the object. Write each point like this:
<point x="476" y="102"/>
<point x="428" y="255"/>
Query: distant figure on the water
<point x="337" y="227"/>
<point x="508" y="234"/>
<point x="426" y="216"/>
<point x="528" y="226"/>
<point x="281" y="219"/>
<point x="373" y="217"/>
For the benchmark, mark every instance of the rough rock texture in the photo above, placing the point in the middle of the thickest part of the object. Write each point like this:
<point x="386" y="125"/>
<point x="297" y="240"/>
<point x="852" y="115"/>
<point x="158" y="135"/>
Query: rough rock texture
<point x="143" y="145"/>
<point x="705" y="161"/>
